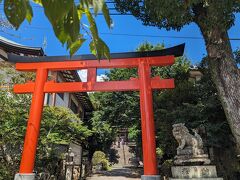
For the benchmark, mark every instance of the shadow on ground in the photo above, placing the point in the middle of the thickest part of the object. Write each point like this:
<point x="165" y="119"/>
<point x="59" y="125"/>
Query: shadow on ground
<point x="123" y="172"/>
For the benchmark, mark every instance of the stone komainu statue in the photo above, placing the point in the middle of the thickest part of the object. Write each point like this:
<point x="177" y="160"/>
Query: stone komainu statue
<point x="185" y="139"/>
<point x="190" y="147"/>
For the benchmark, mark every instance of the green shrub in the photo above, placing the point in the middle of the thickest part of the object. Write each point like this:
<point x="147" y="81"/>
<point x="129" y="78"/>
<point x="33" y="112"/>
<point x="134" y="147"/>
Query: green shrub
<point x="99" y="157"/>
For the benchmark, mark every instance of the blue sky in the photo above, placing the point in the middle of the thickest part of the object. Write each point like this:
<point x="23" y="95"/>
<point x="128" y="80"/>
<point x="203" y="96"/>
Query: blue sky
<point x="40" y="28"/>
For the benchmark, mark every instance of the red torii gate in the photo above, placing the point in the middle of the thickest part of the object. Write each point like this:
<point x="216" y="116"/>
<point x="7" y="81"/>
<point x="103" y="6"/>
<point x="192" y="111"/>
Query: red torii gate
<point x="144" y="83"/>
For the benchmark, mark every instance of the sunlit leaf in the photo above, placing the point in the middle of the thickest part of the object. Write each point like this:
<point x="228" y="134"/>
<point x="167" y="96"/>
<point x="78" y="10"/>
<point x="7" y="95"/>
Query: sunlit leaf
<point x="56" y="10"/>
<point x="72" y="25"/>
<point x="97" y="6"/>
<point x="106" y="15"/>
<point x="85" y="3"/>
<point x="92" y="47"/>
<point x="65" y="18"/>
<point x="76" y="45"/>
<point x="15" y="11"/>
<point x="93" y="26"/>
<point x="60" y="32"/>
<point x="99" y="49"/>
<point x="29" y="13"/>
<point x="80" y="11"/>
<point x="105" y="49"/>
<point x="38" y="2"/>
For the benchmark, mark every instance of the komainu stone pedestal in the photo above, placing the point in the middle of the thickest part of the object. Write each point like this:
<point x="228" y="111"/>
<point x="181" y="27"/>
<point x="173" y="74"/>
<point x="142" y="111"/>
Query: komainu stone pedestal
<point x="191" y="162"/>
<point x="203" y="172"/>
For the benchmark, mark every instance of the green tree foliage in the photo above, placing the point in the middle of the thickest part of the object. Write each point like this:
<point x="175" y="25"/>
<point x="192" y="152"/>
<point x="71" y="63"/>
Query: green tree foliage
<point x="66" y="18"/>
<point x="194" y="103"/>
<point x="214" y="18"/>
<point x="103" y="133"/>
<point x="59" y="127"/>
<point x="175" y="14"/>
<point x="237" y="56"/>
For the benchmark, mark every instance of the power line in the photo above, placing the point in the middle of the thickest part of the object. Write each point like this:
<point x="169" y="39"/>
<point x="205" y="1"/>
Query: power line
<point x="156" y="36"/>
<point x="141" y="35"/>
<point x="153" y="36"/>
<point x="161" y="36"/>
<point x="110" y="9"/>
<point x="39" y="6"/>
<point x="101" y="14"/>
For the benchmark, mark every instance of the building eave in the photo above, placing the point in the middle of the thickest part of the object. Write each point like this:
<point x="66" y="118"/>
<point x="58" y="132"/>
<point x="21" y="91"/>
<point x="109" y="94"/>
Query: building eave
<point x="15" y="48"/>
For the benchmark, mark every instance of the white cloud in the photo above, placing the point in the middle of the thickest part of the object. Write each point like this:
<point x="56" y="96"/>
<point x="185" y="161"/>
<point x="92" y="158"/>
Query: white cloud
<point x="101" y="77"/>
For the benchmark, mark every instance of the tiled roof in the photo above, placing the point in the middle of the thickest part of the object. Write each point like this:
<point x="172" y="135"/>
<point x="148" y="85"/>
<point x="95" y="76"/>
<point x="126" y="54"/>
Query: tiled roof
<point x="12" y="47"/>
<point x="25" y="51"/>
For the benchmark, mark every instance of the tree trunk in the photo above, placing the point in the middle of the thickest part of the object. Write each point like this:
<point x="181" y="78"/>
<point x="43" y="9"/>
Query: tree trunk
<point x="226" y="162"/>
<point x="225" y="75"/>
<point x="88" y="168"/>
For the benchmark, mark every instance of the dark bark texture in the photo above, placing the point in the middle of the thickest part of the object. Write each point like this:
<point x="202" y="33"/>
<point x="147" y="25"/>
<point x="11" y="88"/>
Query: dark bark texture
<point x="225" y="75"/>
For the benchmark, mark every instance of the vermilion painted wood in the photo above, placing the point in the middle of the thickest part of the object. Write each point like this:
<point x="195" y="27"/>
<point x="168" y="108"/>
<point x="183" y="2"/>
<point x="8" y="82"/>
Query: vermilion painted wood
<point x="82" y="64"/>
<point x="158" y="83"/>
<point x="52" y="87"/>
<point x="144" y="84"/>
<point x="33" y="126"/>
<point x="147" y="122"/>
<point x="92" y="75"/>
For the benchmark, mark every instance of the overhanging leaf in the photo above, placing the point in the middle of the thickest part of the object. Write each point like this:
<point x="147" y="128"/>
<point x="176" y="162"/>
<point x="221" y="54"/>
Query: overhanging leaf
<point x="76" y="45"/>
<point x="106" y="15"/>
<point x="38" y="2"/>
<point x="85" y="3"/>
<point x="105" y="49"/>
<point x="15" y="11"/>
<point x="99" y="49"/>
<point x="29" y="13"/>
<point x="71" y="23"/>
<point x="56" y="10"/>
<point x="93" y="27"/>
<point x="92" y="47"/>
<point x="97" y="6"/>
<point x="60" y="32"/>
<point x="64" y="18"/>
<point x="80" y="11"/>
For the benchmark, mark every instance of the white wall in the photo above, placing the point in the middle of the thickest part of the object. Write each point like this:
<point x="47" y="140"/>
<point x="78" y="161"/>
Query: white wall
<point x="62" y="102"/>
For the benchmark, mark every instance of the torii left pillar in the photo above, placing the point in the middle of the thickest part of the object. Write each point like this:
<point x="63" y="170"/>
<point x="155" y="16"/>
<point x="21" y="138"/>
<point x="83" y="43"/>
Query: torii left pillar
<point x="33" y="127"/>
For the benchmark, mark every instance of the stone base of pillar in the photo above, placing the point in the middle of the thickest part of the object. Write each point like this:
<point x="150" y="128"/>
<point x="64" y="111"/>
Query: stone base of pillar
<point x="150" y="177"/>
<point x="29" y="176"/>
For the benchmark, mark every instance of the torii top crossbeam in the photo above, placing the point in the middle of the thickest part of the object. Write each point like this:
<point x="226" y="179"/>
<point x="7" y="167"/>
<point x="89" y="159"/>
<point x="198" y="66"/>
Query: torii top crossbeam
<point x="143" y="83"/>
<point x="118" y="60"/>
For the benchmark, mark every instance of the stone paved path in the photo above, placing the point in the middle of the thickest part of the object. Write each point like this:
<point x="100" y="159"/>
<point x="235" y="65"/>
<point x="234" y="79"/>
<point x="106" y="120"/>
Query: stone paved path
<point x="116" y="174"/>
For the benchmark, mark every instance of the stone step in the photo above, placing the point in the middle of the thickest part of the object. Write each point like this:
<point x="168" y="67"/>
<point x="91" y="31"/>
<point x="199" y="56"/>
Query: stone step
<point x="124" y="155"/>
<point x="196" y="179"/>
